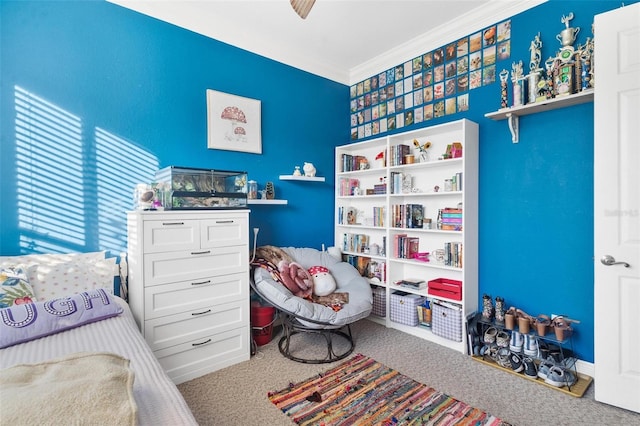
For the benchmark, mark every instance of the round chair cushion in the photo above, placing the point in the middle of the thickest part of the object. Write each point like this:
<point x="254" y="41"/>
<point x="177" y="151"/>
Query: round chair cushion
<point x="347" y="278"/>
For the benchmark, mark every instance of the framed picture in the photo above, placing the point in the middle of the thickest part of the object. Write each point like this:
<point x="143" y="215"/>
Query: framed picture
<point x="233" y="122"/>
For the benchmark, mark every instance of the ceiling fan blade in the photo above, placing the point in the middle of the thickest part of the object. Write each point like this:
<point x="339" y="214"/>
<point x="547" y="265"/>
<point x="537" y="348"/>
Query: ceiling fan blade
<point x="302" y="7"/>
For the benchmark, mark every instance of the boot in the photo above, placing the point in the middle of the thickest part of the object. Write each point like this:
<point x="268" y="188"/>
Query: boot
<point x="487" y="307"/>
<point x="499" y="310"/>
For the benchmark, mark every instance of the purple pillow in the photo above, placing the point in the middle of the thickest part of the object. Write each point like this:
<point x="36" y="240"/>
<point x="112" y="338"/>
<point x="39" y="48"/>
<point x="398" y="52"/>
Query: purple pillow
<point x="22" y="323"/>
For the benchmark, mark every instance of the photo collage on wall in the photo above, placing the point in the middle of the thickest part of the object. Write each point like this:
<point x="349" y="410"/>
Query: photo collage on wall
<point x="429" y="86"/>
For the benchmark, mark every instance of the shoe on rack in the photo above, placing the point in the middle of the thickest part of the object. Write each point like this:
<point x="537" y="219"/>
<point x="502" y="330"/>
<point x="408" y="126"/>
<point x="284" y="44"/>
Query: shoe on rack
<point x="543" y="369"/>
<point x="490" y="335"/>
<point x="499" y="310"/>
<point x="487" y="308"/>
<point x="530" y="345"/>
<point x="529" y="367"/>
<point x="502" y="339"/>
<point x="516" y="362"/>
<point x="558" y="377"/>
<point x="510" y="318"/>
<point x="516" y="343"/>
<point x="504" y="358"/>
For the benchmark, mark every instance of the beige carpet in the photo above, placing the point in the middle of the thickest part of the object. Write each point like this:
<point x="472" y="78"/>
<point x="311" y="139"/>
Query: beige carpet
<point x="237" y="395"/>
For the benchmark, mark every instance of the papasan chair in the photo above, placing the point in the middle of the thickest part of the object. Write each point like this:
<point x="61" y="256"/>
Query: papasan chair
<point x="302" y="317"/>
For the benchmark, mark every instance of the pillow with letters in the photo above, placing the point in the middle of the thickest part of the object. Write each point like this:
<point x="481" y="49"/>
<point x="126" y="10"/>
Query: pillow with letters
<point x="22" y="323"/>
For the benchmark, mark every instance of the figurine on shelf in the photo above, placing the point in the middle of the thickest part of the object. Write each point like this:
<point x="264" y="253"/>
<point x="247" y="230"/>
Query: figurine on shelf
<point x="270" y="191"/>
<point x="297" y="172"/>
<point x="309" y="169"/>
<point x="535" y="72"/>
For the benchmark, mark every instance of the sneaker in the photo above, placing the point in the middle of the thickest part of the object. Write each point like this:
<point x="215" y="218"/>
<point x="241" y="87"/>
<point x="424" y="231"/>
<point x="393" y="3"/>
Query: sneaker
<point x="543" y="369"/>
<point x="504" y="358"/>
<point x="499" y="311"/>
<point x="529" y="367"/>
<point x="517" y="341"/>
<point x="558" y="377"/>
<point x="502" y="339"/>
<point x="530" y="345"/>
<point x="516" y="362"/>
<point x="490" y="335"/>
<point x="487" y="307"/>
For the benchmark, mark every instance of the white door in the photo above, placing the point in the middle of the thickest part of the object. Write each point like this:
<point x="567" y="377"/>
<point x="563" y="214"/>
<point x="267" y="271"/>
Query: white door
<point x="617" y="207"/>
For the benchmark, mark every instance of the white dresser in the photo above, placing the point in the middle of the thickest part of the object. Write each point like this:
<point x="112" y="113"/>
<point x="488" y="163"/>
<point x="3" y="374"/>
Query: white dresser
<point x="189" y="287"/>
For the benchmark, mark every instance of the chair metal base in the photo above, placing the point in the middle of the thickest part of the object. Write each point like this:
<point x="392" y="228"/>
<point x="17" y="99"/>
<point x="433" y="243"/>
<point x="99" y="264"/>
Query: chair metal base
<point x="291" y="327"/>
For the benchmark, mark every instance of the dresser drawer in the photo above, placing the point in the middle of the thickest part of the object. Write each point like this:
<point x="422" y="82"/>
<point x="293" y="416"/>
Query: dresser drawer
<point x="224" y="231"/>
<point x="184" y="327"/>
<point x="174" y="298"/>
<point x="171" y="235"/>
<point x="196" y="358"/>
<point x="164" y="268"/>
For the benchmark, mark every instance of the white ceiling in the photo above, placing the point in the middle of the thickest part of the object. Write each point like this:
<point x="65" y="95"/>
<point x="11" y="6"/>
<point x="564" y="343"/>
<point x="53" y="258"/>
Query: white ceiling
<point x="343" y="40"/>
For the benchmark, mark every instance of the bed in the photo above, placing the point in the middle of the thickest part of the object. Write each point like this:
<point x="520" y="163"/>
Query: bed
<point x="156" y="399"/>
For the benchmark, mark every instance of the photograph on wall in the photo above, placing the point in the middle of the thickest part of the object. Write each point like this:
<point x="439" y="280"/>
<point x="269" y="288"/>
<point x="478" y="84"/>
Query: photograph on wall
<point x="233" y="122"/>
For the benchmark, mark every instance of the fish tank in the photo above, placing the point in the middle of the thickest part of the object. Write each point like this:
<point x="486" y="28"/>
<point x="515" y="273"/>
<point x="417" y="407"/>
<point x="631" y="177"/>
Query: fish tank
<point x="202" y="189"/>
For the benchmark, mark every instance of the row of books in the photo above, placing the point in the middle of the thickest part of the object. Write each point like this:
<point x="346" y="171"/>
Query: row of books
<point x="407" y="215"/>
<point x="450" y="219"/>
<point x="367" y="267"/>
<point x="453" y="254"/>
<point x="346" y="186"/>
<point x="353" y="162"/>
<point x="404" y="247"/>
<point x="397" y="154"/>
<point x="401" y="183"/>
<point x="355" y="243"/>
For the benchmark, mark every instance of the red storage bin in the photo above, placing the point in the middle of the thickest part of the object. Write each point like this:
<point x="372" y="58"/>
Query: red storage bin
<point x="444" y="287"/>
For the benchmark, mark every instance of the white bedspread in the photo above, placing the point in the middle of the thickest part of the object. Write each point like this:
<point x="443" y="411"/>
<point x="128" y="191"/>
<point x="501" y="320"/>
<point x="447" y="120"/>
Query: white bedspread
<point x="158" y="399"/>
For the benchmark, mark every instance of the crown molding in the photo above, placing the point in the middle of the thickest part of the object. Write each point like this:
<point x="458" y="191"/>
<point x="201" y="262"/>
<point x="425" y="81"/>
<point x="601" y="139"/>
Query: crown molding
<point x="492" y="13"/>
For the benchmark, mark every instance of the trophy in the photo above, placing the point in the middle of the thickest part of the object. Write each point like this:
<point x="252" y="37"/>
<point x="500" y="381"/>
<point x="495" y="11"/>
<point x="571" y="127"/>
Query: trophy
<point x="504" y="77"/>
<point x="567" y="36"/>
<point x="517" y="79"/>
<point x="534" y="68"/>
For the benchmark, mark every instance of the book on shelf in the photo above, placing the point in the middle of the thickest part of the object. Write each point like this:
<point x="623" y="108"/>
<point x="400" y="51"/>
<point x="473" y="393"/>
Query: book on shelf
<point x="353" y="162"/>
<point x="414" y="284"/>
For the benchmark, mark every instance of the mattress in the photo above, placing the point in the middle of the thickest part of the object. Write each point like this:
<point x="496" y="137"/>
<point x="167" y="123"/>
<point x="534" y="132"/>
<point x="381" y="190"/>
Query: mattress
<point x="158" y="399"/>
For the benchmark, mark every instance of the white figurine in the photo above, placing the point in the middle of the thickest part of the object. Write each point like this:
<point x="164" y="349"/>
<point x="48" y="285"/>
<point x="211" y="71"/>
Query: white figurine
<point x="309" y="169"/>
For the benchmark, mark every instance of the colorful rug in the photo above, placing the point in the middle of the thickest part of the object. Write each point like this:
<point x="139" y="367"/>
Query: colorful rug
<point x="361" y="391"/>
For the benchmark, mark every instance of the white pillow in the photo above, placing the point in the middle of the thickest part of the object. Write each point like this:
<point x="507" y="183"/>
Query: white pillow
<point x="51" y="281"/>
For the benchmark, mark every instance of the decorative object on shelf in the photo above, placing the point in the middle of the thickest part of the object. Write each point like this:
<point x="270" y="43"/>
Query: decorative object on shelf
<point x="270" y="191"/>
<point x="535" y="72"/>
<point x="263" y="194"/>
<point x="380" y="160"/>
<point x="518" y="79"/>
<point x="233" y="122"/>
<point x="567" y="36"/>
<point x="252" y="192"/>
<point x="423" y="150"/>
<point x="296" y="171"/>
<point x="309" y="169"/>
<point x="504" y="94"/>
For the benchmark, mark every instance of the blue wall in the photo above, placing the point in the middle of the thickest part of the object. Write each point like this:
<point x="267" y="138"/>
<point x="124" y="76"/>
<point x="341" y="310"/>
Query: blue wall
<point x="130" y="92"/>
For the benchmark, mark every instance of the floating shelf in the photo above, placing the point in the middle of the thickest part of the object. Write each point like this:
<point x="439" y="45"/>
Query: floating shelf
<point x="305" y="178"/>
<point x="260" y="201"/>
<point x="512" y="114"/>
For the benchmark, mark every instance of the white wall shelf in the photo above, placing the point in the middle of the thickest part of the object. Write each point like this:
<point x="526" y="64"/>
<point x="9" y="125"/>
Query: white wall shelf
<point x="512" y="114"/>
<point x="260" y="201"/>
<point x="303" y="178"/>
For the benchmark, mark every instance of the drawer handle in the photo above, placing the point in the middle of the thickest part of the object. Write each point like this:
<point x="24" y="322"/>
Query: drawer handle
<point x="172" y="223"/>
<point x="201" y="313"/>
<point x="202" y="282"/>
<point x="224" y="221"/>
<point x="201" y="252"/>
<point x="201" y="343"/>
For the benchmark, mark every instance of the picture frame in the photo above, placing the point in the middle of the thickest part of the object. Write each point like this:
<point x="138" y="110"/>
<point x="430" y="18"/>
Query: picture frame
<point x="234" y="123"/>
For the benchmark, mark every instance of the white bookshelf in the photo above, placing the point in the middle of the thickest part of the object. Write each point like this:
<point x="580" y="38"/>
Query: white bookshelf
<point x="425" y="176"/>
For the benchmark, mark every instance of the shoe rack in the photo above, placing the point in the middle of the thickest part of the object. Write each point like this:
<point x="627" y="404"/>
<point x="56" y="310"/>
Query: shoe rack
<point x="480" y="325"/>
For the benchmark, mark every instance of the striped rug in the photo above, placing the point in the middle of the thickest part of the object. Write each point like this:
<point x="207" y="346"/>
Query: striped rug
<point x="361" y="391"/>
